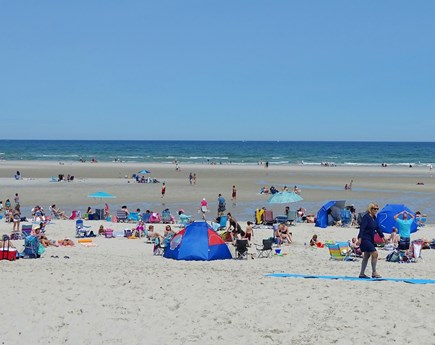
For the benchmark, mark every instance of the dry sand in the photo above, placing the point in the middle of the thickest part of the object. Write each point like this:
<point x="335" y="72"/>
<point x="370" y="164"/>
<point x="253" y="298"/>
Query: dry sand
<point x="119" y="293"/>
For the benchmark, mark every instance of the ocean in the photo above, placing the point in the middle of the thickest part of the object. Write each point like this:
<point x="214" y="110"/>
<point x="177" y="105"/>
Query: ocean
<point x="222" y="152"/>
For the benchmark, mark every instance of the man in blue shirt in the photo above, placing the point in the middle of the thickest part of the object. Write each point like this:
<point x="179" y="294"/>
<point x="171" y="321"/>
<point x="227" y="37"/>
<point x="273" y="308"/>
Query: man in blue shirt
<point x="404" y="228"/>
<point x="221" y="205"/>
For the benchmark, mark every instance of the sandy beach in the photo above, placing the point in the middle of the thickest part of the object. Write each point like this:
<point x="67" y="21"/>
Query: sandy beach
<point x="119" y="293"/>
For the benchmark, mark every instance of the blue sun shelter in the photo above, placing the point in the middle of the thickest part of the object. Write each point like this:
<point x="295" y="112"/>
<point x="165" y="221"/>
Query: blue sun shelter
<point x="197" y="241"/>
<point x="386" y="219"/>
<point x="329" y="213"/>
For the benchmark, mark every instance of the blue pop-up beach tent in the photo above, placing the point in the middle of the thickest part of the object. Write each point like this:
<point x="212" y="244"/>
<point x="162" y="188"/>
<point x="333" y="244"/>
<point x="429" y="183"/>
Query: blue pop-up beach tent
<point x="322" y="214"/>
<point x="386" y="219"/>
<point x="197" y="241"/>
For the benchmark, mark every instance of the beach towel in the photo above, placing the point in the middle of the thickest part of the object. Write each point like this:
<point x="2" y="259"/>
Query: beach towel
<point x="403" y="280"/>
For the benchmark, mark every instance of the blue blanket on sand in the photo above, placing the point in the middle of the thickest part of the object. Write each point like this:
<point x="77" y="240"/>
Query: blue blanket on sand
<point x="405" y="280"/>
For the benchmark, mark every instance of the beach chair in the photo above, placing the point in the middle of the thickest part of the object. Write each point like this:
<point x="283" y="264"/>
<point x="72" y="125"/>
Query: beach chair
<point x="184" y="220"/>
<point x="166" y="216"/>
<point x="26" y="230"/>
<point x="74" y="214"/>
<point x="155" y="217"/>
<point x="32" y="248"/>
<point x="345" y="249"/>
<point x="222" y="223"/>
<point x="281" y="219"/>
<point x="128" y="233"/>
<point x="421" y="221"/>
<point x="146" y="217"/>
<point x="346" y="218"/>
<point x="264" y="250"/>
<point x="53" y="213"/>
<point x="159" y="247"/>
<point x="81" y="229"/>
<point x="268" y="217"/>
<point x="259" y="216"/>
<point x="121" y="216"/>
<point x="379" y="242"/>
<point x="133" y="216"/>
<point x="336" y="254"/>
<point x="292" y="217"/>
<point x="241" y="251"/>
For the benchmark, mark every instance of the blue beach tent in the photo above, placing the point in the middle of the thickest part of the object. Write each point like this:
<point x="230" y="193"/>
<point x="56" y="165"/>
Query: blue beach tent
<point x="331" y="209"/>
<point x="197" y="241"/>
<point x="386" y="220"/>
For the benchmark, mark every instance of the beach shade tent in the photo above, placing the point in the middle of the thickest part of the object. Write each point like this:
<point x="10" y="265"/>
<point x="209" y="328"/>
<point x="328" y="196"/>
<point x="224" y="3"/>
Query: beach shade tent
<point x="101" y="195"/>
<point x="329" y="213"/>
<point x="284" y="198"/>
<point x="144" y="172"/>
<point x="386" y="221"/>
<point x="197" y="241"/>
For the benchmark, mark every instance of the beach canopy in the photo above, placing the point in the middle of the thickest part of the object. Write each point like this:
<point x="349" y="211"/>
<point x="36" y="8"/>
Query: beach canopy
<point x="329" y="212"/>
<point x="197" y="241"/>
<point x="101" y="195"/>
<point x="386" y="219"/>
<point x="144" y="172"/>
<point x="284" y="198"/>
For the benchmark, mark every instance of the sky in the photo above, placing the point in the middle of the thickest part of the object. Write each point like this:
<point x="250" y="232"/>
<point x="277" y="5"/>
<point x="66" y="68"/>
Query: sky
<point x="218" y="70"/>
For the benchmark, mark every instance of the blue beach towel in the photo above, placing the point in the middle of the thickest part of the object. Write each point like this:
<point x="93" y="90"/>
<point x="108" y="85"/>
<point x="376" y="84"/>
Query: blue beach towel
<point x="404" y="280"/>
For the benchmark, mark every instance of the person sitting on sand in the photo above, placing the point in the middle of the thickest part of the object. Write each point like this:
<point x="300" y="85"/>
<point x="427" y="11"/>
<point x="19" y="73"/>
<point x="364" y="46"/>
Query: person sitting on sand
<point x="313" y="241"/>
<point x="284" y="233"/>
<point x="43" y="239"/>
<point x="139" y="230"/>
<point x="150" y="233"/>
<point x="101" y="230"/>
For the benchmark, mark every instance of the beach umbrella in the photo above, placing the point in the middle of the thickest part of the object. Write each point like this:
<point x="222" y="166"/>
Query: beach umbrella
<point x="284" y="198"/>
<point x="144" y="172"/>
<point x="101" y="195"/>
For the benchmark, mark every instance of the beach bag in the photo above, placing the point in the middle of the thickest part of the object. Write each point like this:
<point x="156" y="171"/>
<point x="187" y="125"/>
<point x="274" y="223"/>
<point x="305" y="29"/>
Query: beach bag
<point x="394" y="256"/>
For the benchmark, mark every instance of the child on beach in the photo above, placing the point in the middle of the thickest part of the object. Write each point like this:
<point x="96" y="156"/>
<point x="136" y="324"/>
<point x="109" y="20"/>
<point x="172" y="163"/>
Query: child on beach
<point x="249" y="231"/>
<point x="315" y="243"/>
<point x="101" y="231"/>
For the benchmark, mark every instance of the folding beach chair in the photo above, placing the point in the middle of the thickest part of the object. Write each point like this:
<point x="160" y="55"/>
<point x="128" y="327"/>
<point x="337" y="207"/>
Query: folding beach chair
<point x="264" y="250"/>
<point x="121" y="216"/>
<point x="336" y="254"/>
<point x="26" y="230"/>
<point x="166" y="216"/>
<point x="159" y="248"/>
<point x="32" y="248"/>
<point x="81" y="229"/>
<point x="346" y="217"/>
<point x="292" y="217"/>
<point x="222" y="223"/>
<point x="146" y="217"/>
<point x="133" y="216"/>
<point x="268" y="217"/>
<point x="184" y="220"/>
<point x="241" y="249"/>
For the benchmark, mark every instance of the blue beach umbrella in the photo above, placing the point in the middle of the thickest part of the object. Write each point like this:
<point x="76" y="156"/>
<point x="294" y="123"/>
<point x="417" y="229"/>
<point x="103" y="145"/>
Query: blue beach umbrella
<point x="101" y="195"/>
<point x="144" y="172"/>
<point x="284" y="198"/>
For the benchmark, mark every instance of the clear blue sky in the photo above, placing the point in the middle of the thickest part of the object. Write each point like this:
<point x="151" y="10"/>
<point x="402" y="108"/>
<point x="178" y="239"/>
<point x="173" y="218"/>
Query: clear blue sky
<point x="221" y="70"/>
